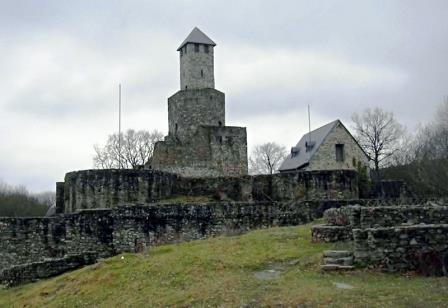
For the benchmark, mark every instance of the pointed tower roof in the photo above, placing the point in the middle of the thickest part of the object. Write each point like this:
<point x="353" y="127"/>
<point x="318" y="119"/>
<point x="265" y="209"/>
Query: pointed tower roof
<point x="197" y="36"/>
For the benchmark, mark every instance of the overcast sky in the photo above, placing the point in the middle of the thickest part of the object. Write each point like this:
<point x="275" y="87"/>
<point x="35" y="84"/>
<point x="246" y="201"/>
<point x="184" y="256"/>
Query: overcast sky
<point x="61" y="63"/>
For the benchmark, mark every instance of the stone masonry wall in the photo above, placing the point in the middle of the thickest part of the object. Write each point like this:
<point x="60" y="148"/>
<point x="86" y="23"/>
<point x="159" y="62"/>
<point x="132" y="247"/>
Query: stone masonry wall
<point x="131" y="228"/>
<point x="189" y="109"/>
<point x="340" y="221"/>
<point x="372" y="217"/>
<point x="393" y="238"/>
<point x="191" y="64"/>
<point x="314" y="185"/>
<point x="417" y="247"/>
<point x="213" y="151"/>
<point x="109" y="188"/>
<point x="325" y="157"/>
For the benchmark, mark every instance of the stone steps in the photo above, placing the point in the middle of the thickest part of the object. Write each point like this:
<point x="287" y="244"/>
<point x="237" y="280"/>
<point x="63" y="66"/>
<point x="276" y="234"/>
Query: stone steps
<point x="335" y="260"/>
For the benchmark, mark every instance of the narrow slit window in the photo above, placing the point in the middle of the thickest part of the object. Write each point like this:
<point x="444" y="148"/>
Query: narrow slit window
<point x="340" y="152"/>
<point x="202" y="73"/>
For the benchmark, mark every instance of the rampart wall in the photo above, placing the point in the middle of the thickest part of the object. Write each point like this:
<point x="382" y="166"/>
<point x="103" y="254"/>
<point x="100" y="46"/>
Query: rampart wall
<point x="109" y="188"/>
<point x="31" y="243"/>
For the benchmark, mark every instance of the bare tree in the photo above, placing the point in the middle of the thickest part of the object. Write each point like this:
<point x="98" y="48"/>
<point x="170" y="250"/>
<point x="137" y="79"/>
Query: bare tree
<point x="426" y="173"/>
<point x="135" y="148"/>
<point x="47" y="197"/>
<point x="17" y="201"/>
<point x="266" y="158"/>
<point x="379" y="134"/>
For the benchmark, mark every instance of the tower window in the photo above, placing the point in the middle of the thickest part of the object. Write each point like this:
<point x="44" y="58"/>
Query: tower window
<point x="206" y="48"/>
<point x="196" y="47"/>
<point x="202" y="73"/>
<point x="340" y="152"/>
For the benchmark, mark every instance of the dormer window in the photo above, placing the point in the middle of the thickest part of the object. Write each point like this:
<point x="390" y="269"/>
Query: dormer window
<point x="196" y="47"/>
<point x="206" y="49"/>
<point x="309" y="145"/>
<point x="295" y="152"/>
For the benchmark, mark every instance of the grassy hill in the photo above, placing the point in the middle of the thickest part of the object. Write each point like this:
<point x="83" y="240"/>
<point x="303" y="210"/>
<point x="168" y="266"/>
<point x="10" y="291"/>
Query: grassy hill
<point x="260" y="268"/>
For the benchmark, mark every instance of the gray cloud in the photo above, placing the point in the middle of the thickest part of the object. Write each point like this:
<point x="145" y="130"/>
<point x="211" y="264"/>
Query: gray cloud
<point x="62" y="61"/>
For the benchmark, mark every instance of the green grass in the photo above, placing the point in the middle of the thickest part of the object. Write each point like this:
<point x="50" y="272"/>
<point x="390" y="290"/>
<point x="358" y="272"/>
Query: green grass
<point x="220" y="272"/>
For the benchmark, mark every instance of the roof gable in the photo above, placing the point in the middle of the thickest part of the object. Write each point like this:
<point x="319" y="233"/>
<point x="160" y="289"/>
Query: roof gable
<point x="198" y="37"/>
<point x="303" y="157"/>
<point x="318" y="136"/>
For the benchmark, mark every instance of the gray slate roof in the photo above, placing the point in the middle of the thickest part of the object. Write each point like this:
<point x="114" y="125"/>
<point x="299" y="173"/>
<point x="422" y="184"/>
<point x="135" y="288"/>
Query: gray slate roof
<point x="303" y="158"/>
<point x="197" y="36"/>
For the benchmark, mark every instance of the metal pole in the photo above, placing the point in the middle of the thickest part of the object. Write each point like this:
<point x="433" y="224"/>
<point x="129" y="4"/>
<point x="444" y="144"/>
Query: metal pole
<point x="309" y="124"/>
<point x="308" y="148"/>
<point x="119" y="126"/>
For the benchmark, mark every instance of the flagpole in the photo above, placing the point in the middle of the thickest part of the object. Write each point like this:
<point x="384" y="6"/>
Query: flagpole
<point x="119" y="126"/>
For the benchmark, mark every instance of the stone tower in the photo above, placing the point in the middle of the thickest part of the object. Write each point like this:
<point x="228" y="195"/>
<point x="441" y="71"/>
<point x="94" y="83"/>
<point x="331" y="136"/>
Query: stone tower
<point x="198" y="102"/>
<point x="196" y="61"/>
<point x="198" y="142"/>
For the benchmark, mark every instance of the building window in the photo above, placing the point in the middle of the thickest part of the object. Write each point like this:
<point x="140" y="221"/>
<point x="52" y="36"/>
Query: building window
<point x="202" y="73"/>
<point x="219" y="123"/>
<point x="181" y="52"/>
<point x="340" y="155"/>
<point x="219" y="139"/>
<point x="309" y="145"/>
<point x="294" y="152"/>
<point x="185" y="49"/>
<point x="196" y="47"/>
<point x="206" y="48"/>
<point x="175" y="129"/>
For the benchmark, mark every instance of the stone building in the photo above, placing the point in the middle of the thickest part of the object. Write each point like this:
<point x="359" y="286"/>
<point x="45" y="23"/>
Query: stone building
<point x="199" y="144"/>
<point x="330" y="147"/>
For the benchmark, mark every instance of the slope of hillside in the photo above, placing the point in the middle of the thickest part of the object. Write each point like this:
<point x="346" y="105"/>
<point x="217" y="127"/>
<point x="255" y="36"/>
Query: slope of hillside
<point x="264" y="267"/>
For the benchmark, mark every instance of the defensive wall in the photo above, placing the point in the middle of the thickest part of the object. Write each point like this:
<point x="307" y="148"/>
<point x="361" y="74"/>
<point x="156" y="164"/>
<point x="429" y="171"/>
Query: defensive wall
<point x="108" y="188"/>
<point x="32" y="248"/>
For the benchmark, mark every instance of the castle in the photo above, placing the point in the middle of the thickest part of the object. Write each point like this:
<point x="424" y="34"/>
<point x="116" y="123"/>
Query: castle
<point x="199" y="144"/>
<point x="101" y="213"/>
